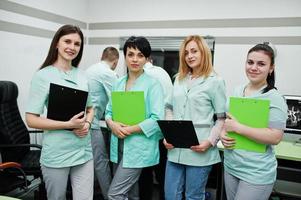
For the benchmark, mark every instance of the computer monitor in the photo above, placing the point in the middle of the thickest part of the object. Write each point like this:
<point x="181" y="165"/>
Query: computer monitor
<point x="293" y="123"/>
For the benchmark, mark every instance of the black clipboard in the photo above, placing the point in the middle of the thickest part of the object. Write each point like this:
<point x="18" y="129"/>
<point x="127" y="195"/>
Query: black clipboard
<point x="65" y="102"/>
<point x="179" y="133"/>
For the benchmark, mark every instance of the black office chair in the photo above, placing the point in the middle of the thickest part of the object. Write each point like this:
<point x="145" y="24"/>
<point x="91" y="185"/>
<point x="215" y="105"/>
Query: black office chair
<point x="10" y="181"/>
<point x="15" y="138"/>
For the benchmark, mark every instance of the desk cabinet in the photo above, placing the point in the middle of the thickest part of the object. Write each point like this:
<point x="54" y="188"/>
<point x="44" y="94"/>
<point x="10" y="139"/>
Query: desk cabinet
<point x="288" y="182"/>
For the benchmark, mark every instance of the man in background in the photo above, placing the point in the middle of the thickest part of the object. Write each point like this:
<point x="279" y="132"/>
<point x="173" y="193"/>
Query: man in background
<point x="146" y="178"/>
<point x="101" y="77"/>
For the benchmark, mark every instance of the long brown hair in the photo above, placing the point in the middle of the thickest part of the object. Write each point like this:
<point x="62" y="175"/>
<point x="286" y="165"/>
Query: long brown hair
<point x="206" y="61"/>
<point x="53" y="52"/>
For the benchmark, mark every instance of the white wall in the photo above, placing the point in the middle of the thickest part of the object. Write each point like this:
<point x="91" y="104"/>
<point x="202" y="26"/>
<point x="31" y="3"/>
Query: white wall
<point x="145" y="10"/>
<point x="76" y="9"/>
<point x="230" y="63"/>
<point x="21" y="55"/>
<point x="229" y="58"/>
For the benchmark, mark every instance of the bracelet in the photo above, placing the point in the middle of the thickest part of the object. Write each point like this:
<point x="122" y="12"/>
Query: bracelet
<point x="89" y="123"/>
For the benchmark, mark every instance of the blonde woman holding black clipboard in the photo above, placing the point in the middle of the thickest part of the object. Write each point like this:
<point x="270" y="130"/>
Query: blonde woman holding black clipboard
<point x="66" y="144"/>
<point x="250" y="175"/>
<point x="198" y="94"/>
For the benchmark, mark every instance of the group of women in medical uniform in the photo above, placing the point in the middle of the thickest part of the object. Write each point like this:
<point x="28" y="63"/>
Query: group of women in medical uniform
<point x="199" y="93"/>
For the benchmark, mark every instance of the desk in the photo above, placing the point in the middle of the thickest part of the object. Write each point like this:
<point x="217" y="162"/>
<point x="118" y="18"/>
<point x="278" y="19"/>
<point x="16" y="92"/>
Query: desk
<point x="7" y="198"/>
<point x="288" y="181"/>
<point x="288" y="151"/>
<point x="288" y="155"/>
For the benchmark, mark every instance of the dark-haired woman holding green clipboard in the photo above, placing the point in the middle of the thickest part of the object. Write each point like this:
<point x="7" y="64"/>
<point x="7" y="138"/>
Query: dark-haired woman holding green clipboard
<point x="134" y="146"/>
<point x="251" y="175"/>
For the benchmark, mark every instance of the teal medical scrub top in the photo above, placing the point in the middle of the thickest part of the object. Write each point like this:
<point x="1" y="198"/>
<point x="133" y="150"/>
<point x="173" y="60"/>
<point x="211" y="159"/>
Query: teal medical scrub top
<point x="198" y="101"/>
<point x="140" y="149"/>
<point x="61" y="148"/>
<point x="253" y="167"/>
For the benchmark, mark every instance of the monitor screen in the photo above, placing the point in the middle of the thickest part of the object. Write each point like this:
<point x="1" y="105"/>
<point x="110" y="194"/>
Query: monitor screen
<point x="293" y="123"/>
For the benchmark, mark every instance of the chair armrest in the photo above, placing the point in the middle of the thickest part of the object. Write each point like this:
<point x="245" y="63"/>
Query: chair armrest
<point x="20" y="145"/>
<point x="9" y="165"/>
<point x="35" y="131"/>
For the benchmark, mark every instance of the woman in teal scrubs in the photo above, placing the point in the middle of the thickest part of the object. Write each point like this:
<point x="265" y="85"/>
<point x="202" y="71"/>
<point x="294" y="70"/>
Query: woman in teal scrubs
<point x="134" y="147"/>
<point x="64" y="152"/>
<point x="251" y="175"/>
<point x="198" y="94"/>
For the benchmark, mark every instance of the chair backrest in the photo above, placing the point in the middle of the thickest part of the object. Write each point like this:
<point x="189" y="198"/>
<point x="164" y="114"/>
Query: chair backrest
<point x="12" y="127"/>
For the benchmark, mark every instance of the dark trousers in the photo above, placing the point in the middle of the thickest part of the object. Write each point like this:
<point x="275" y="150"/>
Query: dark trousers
<point x="146" y="183"/>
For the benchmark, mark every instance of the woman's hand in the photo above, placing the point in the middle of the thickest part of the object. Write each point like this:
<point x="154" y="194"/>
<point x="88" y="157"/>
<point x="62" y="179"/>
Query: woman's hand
<point x="227" y="141"/>
<point x="202" y="147"/>
<point x="82" y="132"/>
<point x="119" y="129"/>
<point x="77" y="121"/>
<point x="231" y="124"/>
<point x="129" y="129"/>
<point x="167" y="145"/>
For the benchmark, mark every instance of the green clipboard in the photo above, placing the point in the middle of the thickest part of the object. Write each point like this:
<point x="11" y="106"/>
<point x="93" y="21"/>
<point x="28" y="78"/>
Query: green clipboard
<point x="253" y="113"/>
<point x="128" y="107"/>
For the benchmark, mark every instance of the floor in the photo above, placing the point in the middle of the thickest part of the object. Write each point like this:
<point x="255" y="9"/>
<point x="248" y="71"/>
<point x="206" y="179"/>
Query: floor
<point x="29" y="195"/>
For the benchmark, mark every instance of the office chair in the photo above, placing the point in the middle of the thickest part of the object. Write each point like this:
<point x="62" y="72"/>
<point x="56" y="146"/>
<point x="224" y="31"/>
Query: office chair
<point x="10" y="181"/>
<point x="15" y="138"/>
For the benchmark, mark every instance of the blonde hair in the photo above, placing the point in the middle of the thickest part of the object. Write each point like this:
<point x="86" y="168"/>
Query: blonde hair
<point x="206" y="58"/>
